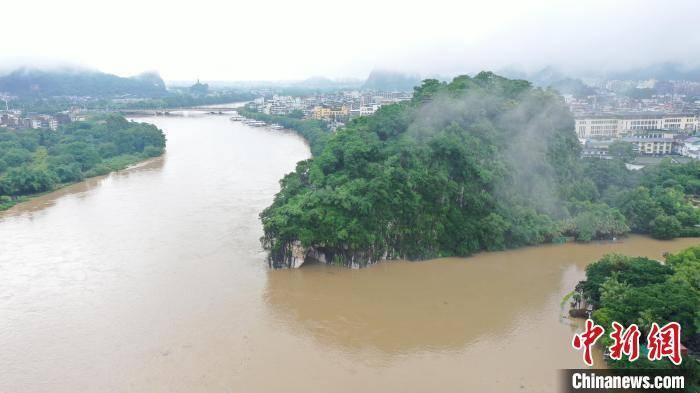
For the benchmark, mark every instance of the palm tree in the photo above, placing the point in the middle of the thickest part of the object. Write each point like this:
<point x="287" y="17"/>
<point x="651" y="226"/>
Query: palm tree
<point x="577" y="299"/>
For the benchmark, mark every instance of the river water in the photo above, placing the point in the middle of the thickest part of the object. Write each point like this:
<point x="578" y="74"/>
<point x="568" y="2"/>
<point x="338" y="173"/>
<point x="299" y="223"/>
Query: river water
<point x="153" y="280"/>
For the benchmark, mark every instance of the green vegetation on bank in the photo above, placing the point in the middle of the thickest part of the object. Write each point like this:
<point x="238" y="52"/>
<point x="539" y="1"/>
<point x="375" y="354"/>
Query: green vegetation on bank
<point x="53" y="105"/>
<point x="642" y="291"/>
<point x="185" y="100"/>
<point x="34" y="161"/>
<point x="481" y="163"/>
<point x="314" y="131"/>
<point x="657" y="201"/>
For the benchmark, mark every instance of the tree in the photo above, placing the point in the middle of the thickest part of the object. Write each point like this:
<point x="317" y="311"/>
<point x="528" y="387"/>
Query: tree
<point x="83" y="153"/>
<point x="16" y="156"/>
<point x="296" y="114"/>
<point x="665" y="227"/>
<point x="686" y="265"/>
<point x="493" y="232"/>
<point x="67" y="173"/>
<point x="635" y="271"/>
<point x="641" y="291"/>
<point x="72" y="152"/>
<point x="107" y="150"/>
<point x="597" y="222"/>
<point x="607" y="173"/>
<point x="639" y="207"/>
<point x="25" y="180"/>
<point x="622" y="150"/>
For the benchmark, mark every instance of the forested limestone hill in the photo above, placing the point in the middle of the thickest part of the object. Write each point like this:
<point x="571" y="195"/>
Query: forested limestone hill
<point x="480" y="163"/>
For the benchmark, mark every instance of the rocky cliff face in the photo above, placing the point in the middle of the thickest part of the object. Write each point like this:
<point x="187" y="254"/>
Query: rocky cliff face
<point x="294" y="255"/>
<point x="291" y="256"/>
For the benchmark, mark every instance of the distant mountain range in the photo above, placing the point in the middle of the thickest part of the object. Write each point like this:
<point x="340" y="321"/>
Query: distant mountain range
<point x="390" y="81"/>
<point x="77" y="82"/>
<point x="661" y="71"/>
<point x="377" y="80"/>
<point x="30" y="82"/>
<point x="323" y="83"/>
<point x="573" y="83"/>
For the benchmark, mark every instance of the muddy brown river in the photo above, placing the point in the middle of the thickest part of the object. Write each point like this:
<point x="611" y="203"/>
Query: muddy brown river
<point x="153" y="280"/>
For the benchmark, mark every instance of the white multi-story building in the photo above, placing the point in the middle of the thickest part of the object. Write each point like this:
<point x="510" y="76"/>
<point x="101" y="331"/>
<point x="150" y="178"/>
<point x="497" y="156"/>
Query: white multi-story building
<point x="656" y="146"/>
<point x="597" y="128"/>
<point x="615" y="126"/>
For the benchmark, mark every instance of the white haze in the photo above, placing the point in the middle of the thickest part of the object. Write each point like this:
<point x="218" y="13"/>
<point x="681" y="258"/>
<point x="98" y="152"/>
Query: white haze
<point x="275" y="40"/>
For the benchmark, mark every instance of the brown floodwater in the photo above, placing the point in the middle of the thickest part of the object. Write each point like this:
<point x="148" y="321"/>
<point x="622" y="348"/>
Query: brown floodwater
<point x="152" y="279"/>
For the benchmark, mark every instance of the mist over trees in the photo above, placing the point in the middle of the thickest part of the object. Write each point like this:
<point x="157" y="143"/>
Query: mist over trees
<point x="480" y="163"/>
<point x="449" y="173"/>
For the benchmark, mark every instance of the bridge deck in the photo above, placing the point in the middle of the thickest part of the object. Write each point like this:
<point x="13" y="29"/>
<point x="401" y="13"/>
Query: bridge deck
<point x="193" y="109"/>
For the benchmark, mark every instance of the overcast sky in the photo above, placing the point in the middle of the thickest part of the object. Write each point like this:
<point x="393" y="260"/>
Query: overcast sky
<point x="274" y="40"/>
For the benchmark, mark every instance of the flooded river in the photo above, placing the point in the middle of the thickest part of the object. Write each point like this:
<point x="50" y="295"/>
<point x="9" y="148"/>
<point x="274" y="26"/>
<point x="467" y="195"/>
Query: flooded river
<point x="153" y="280"/>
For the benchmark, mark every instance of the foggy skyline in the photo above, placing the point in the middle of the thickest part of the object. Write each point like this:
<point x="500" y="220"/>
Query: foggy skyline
<point x="296" y="40"/>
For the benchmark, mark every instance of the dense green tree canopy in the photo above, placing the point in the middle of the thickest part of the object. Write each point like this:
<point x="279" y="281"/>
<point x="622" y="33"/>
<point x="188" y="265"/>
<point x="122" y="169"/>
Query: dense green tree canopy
<point x="637" y="290"/>
<point x="626" y="270"/>
<point x="33" y="161"/>
<point x="478" y="163"/>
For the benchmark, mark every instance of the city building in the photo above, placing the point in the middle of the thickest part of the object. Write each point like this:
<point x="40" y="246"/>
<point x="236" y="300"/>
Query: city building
<point x="335" y="107"/>
<point x="616" y="126"/>
<point x="15" y="120"/>
<point x="329" y="113"/>
<point x="597" y="148"/>
<point x="653" y="145"/>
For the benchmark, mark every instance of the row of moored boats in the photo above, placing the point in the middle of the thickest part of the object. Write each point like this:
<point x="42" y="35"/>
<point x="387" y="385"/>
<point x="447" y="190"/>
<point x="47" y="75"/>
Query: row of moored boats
<point x="255" y="123"/>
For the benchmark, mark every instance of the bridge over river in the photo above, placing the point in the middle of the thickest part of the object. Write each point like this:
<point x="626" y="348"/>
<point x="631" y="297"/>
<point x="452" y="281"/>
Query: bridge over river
<point x="166" y="111"/>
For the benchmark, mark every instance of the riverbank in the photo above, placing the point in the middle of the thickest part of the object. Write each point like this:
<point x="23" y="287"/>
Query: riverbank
<point x="173" y="101"/>
<point x="315" y="132"/>
<point x="118" y="164"/>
